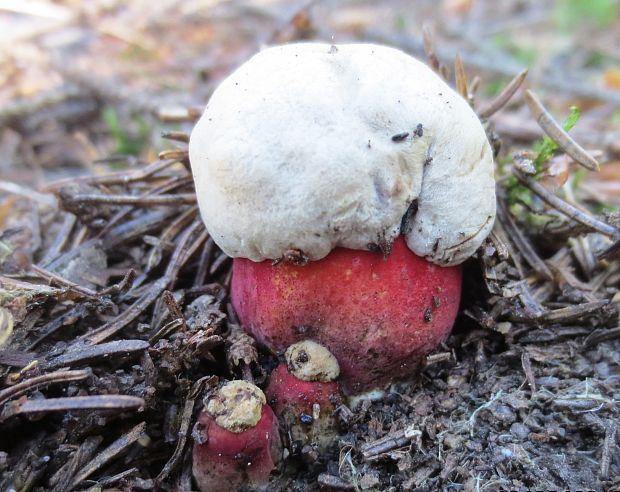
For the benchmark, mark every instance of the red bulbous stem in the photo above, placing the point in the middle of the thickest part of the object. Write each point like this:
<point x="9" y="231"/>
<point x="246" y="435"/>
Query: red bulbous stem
<point x="306" y="408"/>
<point x="236" y="440"/>
<point x="232" y="461"/>
<point x="378" y="316"/>
<point x="285" y="391"/>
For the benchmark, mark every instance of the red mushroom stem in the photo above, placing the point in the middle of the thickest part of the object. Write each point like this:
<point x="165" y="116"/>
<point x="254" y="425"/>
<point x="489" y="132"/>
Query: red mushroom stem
<point x="304" y="395"/>
<point x="378" y="315"/>
<point x="237" y="443"/>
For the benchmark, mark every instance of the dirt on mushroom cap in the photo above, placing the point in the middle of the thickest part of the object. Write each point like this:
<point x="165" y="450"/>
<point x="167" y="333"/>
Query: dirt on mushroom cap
<point x="310" y="361"/>
<point x="237" y="406"/>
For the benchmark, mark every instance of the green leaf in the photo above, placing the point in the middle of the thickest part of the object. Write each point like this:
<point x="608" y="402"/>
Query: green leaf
<point x="546" y="147"/>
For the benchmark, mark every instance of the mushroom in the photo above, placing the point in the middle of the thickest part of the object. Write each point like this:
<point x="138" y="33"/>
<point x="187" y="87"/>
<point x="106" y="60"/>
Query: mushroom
<point x="304" y="394"/>
<point x="378" y="316"/>
<point x="340" y="155"/>
<point x="236" y="440"/>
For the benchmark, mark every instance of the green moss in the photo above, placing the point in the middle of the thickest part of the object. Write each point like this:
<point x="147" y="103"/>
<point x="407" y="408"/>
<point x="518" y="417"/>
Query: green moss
<point x="400" y="23"/>
<point x="7" y="296"/>
<point x="568" y="14"/>
<point x="596" y="59"/>
<point x="126" y="143"/>
<point x="523" y="54"/>
<point x="494" y="87"/>
<point x="5" y="251"/>
<point x="615" y="118"/>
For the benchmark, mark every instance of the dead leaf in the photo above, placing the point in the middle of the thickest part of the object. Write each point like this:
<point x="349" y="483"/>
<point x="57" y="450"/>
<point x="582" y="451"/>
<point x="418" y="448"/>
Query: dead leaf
<point x="557" y="171"/>
<point x="611" y="78"/>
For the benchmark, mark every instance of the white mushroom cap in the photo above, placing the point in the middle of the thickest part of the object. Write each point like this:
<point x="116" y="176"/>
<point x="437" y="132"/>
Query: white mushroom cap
<point x="295" y="151"/>
<point x="310" y="361"/>
<point x="237" y="406"/>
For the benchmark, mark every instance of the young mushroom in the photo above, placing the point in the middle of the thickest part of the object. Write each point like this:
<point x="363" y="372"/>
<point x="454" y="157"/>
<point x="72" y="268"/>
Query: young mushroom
<point x="360" y="160"/>
<point x="236" y="440"/>
<point x="304" y="394"/>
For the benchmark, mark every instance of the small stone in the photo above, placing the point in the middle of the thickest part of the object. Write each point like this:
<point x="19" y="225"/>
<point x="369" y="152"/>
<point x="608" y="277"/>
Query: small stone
<point x="448" y="404"/>
<point x="368" y="481"/>
<point x="474" y="446"/>
<point x="556" y="432"/>
<point x="504" y="414"/>
<point x="452" y="441"/>
<point x="423" y="407"/>
<point x="602" y="368"/>
<point x="547" y="381"/>
<point x="505" y="452"/>
<point x="504" y="327"/>
<point x="456" y="381"/>
<point x="309" y="454"/>
<point x="519" y="430"/>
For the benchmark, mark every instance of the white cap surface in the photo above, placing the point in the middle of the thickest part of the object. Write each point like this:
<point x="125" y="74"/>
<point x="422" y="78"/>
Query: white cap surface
<point x="237" y="405"/>
<point x="310" y="361"/>
<point x="299" y="149"/>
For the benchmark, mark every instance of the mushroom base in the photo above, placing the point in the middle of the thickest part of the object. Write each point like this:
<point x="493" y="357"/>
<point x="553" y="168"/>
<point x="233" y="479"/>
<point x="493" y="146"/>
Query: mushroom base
<point x="306" y="408"/>
<point x="378" y="316"/>
<point x="225" y="460"/>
